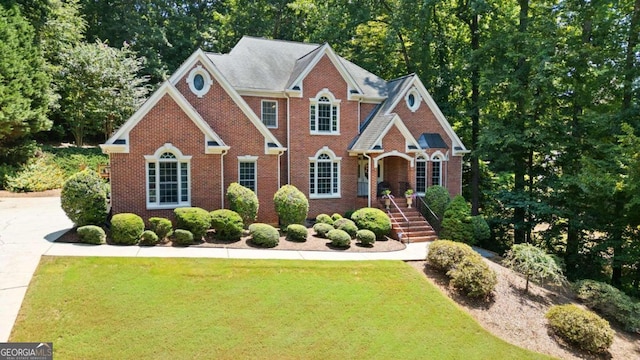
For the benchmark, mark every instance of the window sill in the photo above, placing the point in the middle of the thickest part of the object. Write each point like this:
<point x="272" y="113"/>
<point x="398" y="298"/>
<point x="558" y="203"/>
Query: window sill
<point x="320" y="197"/>
<point x="324" y="133"/>
<point x="167" y="206"/>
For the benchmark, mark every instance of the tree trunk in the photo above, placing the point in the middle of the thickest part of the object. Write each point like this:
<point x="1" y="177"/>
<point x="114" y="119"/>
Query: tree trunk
<point x="475" y="117"/>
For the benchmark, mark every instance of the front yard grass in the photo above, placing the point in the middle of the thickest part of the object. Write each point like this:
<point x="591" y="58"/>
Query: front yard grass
<point x="130" y="308"/>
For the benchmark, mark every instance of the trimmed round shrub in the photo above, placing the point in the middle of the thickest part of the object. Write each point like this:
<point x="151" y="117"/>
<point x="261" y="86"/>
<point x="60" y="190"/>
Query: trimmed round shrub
<point x="161" y="227"/>
<point x="610" y="302"/>
<point x="297" y="232"/>
<point x="92" y="234"/>
<point x="182" y="237"/>
<point x="84" y="198"/>
<point x="444" y="254"/>
<point x="243" y="201"/>
<point x="194" y="219"/>
<point x="473" y="277"/>
<point x="148" y="238"/>
<point x="374" y="220"/>
<point x="580" y="327"/>
<point x="228" y="224"/>
<point x="438" y="198"/>
<point x="336" y="216"/>
<point x="324" y="218"/>
<point x="456" y="223"/>
<point x="322" y="229"/>
<point x="365" y="237"/>
<point x="481" y="230"/>
<point x="346" y="225"/>
<point x="126" y="228"/>
<point x="339" y="238"/>
<point x="264" y="235"/>
<point x="291" y="206"/>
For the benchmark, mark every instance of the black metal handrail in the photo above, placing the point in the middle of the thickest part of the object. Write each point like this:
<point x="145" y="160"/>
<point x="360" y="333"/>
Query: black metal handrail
<point x="406" y="220"/>
<point x="427" y="212"/>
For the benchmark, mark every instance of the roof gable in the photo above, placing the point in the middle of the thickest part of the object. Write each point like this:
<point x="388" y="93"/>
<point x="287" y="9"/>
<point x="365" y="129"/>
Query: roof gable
<point x="372" y="135"/>
<point x="119" y="141"/>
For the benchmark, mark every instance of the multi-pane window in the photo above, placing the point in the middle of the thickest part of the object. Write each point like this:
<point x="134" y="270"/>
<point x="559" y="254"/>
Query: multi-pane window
<point x="270" y="113"/>
<point x="168" y="181"/>
<point x="421" y="175"/>
<point x="436" y="172"/>
<point x="324" y="176"/>
<point x="247" y="174"/>
<point x="324" y="115"/>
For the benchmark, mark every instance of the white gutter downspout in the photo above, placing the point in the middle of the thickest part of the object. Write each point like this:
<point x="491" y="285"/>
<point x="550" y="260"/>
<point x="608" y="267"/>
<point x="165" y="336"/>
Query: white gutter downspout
<point x="288" y="145"/>
<point x="280" y="153"/>
<point x="369" y="175"/>
<point x="222" y="154"/>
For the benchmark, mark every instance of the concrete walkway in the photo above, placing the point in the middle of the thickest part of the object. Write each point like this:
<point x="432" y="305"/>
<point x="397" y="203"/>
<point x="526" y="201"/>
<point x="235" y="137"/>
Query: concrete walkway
<point x="28" y="227"/>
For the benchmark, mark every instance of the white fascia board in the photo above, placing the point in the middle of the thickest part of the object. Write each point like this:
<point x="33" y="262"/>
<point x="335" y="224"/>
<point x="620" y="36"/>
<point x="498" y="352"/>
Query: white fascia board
<point x="403" y="130"/>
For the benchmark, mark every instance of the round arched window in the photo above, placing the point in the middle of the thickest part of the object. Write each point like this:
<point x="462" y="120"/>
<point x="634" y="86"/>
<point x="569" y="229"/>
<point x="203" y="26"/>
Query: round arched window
<point x="413" y="99"/>
<point x="198" y="82"/>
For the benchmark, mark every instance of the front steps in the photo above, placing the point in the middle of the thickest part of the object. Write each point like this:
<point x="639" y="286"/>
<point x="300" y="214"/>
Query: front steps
<point x="416" y="229"/>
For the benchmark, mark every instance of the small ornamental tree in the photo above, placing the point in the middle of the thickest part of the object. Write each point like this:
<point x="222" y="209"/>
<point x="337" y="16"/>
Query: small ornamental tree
<point x="456" y="223"/>
<point x="438" y="198"/>
<point x="534" y="264"/>
<point x="243" y="201"/>
<point x="291" y="206"/>
<point x="84" y="198"/>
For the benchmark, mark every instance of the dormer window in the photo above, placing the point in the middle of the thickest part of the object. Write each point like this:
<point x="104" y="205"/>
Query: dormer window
<point x="199" y="81"/>
<point x="324" y="114"/>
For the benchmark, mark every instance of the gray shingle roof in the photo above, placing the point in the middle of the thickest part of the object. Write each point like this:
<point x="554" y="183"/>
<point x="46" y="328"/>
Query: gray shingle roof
<point x="367" y="138"/>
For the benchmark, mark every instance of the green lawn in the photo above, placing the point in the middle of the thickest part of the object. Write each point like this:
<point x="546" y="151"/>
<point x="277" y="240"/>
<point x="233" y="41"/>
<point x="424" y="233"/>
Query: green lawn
<point x="131" y="308"/>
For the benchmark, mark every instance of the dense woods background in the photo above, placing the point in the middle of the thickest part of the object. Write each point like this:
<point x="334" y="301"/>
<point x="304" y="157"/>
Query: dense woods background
<point x="546" y="93"/>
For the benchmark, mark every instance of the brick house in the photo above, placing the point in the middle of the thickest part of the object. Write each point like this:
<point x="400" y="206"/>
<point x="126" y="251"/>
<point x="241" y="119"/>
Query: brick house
<point x="274" y="112"/>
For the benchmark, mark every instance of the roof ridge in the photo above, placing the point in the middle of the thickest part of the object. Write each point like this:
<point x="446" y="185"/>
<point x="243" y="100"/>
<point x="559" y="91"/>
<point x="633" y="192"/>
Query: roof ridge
<point x="402" y="77"/>
<point x="312" y="51"/>
<point x="279" y="40"/>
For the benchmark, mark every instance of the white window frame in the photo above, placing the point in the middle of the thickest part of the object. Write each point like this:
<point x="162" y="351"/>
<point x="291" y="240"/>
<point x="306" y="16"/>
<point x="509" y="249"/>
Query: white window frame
<point x="417" y="99"/>
<point x="436" y="159"/>
<point x="314" y="113"/>
<point x="422" y="160"/>
<point x="262" y="103"/>
<point x="198" y="70"/>
<point x="247" y="159"/>
<point x="334" y="174"/>
<point x="156" y="159"/>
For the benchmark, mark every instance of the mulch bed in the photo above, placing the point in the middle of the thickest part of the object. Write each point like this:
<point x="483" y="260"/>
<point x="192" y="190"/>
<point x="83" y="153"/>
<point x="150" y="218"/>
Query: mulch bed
<point x="313" y="243"/>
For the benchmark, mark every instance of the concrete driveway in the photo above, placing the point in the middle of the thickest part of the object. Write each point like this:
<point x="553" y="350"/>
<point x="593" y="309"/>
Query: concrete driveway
<point x="28" y="227"/>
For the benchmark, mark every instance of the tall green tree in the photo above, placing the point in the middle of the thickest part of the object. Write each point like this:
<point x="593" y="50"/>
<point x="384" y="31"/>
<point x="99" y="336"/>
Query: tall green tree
<point x="24" y="86"/>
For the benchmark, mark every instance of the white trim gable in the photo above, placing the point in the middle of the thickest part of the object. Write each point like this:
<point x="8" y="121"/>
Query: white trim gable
<point x="115" y="145"/>
<point x="457" y="145"/>
<point x="208" y="64"/>
<point x="352" y="85"/>
<point x="409" y="139"/>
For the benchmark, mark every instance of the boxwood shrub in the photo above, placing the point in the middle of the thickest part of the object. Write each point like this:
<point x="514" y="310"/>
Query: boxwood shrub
<point x="438" y="198"/>
<point x="84" y="198"/>
<point x="324" y="218"/>
<point x="264" y="235"/>
<point x="336" y="216"/>
<point x="346" y="225"/>
<point x="228" y="224"/>
<point x="473" y="277"/>
<point x="291" y="206"/>
<point x="457" y="221"/>
<point x="580" y="327"/>
<point x="91" y="234"/>
<point x="610" y="303"/>
<point x="339" y="238"/>
<point x="374" y="220"/>
<point x="194" y="219"/>
<point x="126" y="228"/>
<point x="322" y="229"/>
<point x="444" y="254"/>
<point x="182" y="237"/>
<point x="161" y="226"/>
<point x="297" y="232"/>
<point x="148" y="238"/>
<point x="365" y="237"/>
<point x="243" y="201"/>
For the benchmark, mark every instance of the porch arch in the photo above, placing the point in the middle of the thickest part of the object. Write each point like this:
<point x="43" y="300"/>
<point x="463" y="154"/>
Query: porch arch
<point x="393" y="153"/>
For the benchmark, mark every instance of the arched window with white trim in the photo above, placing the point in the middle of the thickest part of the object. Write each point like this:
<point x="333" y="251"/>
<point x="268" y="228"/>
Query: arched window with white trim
<point x="324" y="175"/>
<point x="436" y="170"/>
<point x="324" y="113"/>
<point x="168" y="174"/>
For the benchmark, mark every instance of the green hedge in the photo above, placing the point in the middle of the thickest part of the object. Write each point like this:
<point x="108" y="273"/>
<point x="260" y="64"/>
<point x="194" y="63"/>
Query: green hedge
<point x="161" y="226"/>
<point x="194" y="219"/>
<point x="346" y="225"/>
<point x="374" y="220"/>
<point x="264" y="235"/>
<point x="228" y="224"/>
<point x="126" y="229"/>
<point x="438" y="198"/>
<point x="610" y="303"/>
<point x="91" y="234"/>
<point x="580" y="327"/>
<point x="38" y="174"/>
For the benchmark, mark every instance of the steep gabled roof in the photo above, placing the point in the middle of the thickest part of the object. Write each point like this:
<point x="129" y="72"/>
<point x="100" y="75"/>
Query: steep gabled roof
<point x="119" y="141"/>
<point x="376" y="130"/>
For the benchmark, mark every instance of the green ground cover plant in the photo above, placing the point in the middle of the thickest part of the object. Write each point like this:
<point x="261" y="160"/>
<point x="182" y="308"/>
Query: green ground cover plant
<point x="133" y="308"/>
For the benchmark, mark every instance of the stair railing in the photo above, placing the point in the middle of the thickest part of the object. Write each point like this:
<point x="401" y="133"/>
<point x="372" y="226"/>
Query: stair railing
<point x="429" y="215"/>
<point x="406" y="220"/>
